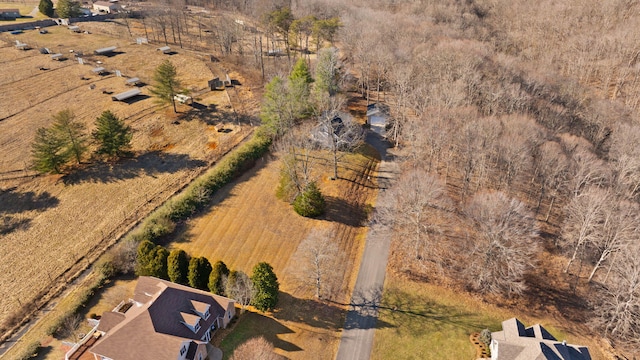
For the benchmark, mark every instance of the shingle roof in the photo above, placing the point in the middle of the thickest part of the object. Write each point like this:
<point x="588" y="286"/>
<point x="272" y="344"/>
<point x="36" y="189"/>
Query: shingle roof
<point x="515" y="342"/>
<point x="154" y="329"/>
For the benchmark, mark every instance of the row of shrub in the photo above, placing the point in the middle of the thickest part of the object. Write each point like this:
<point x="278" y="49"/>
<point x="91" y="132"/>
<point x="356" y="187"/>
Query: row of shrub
<point x="163" y="221"/>
<point x="198" y="195"/>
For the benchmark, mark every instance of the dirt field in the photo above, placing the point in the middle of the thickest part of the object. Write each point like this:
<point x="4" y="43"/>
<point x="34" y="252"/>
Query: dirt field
<point x="49" y="223"/>
<point x="249" y="225"/>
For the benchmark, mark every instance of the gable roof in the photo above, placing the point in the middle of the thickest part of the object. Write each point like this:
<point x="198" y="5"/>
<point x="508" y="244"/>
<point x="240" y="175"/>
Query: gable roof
<point x="153" y="328"/>
<point x="515" y="342"/>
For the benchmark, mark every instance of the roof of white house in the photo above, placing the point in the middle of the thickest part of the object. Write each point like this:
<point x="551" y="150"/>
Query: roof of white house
<point x="515" y="342"/>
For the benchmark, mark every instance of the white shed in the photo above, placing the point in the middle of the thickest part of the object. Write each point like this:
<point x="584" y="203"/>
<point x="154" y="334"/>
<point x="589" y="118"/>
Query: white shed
<point x="105" y="7"/>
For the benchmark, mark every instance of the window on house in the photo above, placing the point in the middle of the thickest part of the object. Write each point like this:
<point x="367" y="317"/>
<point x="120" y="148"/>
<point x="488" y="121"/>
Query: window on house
<point x="206" y="314"/>
<point x="197" y="327"/>
<point x="183" y="350"/>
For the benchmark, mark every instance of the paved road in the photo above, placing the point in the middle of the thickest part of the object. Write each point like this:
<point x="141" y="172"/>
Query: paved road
<point x="357" y="336"/>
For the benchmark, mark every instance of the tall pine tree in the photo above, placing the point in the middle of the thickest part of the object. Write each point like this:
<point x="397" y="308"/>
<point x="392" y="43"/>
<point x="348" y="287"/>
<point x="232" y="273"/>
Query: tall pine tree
<point x="112" y="135"/>
<point x="166" y="83"/>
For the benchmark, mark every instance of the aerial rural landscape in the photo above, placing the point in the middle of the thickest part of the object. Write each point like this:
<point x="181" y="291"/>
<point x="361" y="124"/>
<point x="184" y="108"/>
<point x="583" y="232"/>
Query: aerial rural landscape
<point x="319" y="179"/>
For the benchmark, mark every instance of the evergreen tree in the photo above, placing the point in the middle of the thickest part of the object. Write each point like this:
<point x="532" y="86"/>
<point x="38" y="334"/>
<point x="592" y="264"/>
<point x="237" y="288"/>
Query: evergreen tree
<point x="48" y="152"/>
<point x="276" y="108"/>
<point x="166" y="83"/>
<point x="299" y="89"/>
<point x="112" y="135"/>
<point x="152" y="260"/>
<point x="327" y="73"/>
<point x="46" y="7"/>
<point x="266" y="287"/>
<point x="178" y="266"/>
<point x="72" y="133"/>
<point x="68" y="8"/>
<point x="199" y="271"/>
<point x="216" y="279"/>
<point x="309" y="203"/>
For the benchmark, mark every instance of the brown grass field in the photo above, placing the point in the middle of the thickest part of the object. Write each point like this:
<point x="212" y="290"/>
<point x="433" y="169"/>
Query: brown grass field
<point x="248" y="224"/>
<point x="51" y="223"/>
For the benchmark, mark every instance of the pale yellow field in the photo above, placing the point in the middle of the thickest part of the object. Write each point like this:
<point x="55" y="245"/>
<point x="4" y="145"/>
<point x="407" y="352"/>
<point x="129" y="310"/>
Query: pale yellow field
<point x="249" y="224"/>
<point x="58" y="225"/>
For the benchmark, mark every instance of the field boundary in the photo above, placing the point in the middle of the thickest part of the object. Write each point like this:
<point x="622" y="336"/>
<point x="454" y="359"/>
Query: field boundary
<point x="137" y="217"/>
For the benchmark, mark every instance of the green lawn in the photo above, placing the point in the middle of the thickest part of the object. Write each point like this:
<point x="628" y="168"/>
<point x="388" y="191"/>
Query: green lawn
<point x="422" y="321"/>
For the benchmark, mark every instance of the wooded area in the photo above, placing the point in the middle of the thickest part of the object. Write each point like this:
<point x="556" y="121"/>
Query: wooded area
<point x="518" y="128"/>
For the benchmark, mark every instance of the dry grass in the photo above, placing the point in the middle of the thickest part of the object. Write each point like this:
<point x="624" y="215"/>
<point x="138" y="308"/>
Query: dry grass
<point x="63" y="220"/>
<point x="248" y="224"/>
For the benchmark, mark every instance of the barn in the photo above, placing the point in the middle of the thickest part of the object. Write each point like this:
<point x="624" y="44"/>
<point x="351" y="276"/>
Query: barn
<point x="9" y="14"/>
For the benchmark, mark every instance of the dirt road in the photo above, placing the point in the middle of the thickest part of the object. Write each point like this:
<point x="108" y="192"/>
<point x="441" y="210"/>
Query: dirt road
<point x="357" y="336"/>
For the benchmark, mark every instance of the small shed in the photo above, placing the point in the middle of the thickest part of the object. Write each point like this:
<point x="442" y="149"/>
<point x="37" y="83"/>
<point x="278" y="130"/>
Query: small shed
<point x="126" y="95"/>
<point x="22" y="46"/>
<point x="215" y="84"/>
<point x="132" y="81"/>
<point x="105" y="7"/>
<point x="56" y="57"/>
<point x="74" y="28"/>
<point x="99" y="70"/>
<point x="9" y="14"/>
<point x="105" y="51"/>
<point x="165" y="49"/>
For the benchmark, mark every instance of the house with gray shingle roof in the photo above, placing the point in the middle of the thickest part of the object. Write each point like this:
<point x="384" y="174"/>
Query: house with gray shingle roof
<point x="166" y="321"/>
<point x="515" y="342"/>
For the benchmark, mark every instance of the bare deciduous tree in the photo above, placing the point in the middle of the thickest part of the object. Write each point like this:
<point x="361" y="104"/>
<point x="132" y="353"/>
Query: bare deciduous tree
<point x="582" y="220"/>
<point x="618" y="228"/>
<point x="255" y="348"/>
<point x="338" y="132"/>
<point x="505" y="245"/>
<point x="319" y="258"/>
<point x="296" y="149"/>
<point x="240" y="288"/>
<point x="418" y="201"/>
<point x="619" y="309"/>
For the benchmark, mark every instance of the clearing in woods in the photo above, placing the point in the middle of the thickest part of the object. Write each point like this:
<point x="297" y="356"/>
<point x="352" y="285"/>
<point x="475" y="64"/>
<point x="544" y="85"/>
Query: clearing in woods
<point x="248" y="224"/>
<point x="53" y="226"/>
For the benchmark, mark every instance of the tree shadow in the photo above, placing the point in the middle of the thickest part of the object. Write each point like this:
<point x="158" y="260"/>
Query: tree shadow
<point x="43" y="352"/>
<point x="254" y="325"/>
<point x="341" y="211"/>
<point x="149" y="164"/>
<point x="318" y="314"/>
<point x="12" y="201"/>
<point x="422" y="315"/>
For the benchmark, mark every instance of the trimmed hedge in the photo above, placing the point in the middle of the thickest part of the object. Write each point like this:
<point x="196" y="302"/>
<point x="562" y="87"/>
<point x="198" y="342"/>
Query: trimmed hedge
<point x="198" y="195"/>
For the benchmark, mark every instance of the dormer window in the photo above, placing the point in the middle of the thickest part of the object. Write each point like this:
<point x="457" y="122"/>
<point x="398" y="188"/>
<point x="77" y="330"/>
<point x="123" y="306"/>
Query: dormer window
<point x="201" y="308"/>
<point x="191" y="321"/>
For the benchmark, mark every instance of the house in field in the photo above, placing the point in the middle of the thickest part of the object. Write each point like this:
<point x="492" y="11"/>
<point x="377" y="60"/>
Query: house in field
<point x="515" y="342"/>
<point x="9" y="14"/>
<point x="105" y="7"/>
<point x="377" y="118"/>
<point x="165" y="321"/>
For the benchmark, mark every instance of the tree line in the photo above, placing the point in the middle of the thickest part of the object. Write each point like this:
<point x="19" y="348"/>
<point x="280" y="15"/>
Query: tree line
<point x="504" y="138"/>
<point x="260" y="289"/>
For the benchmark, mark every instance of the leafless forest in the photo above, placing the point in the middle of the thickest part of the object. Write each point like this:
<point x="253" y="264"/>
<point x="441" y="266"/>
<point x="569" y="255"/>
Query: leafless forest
<point x="518" y="126"/>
